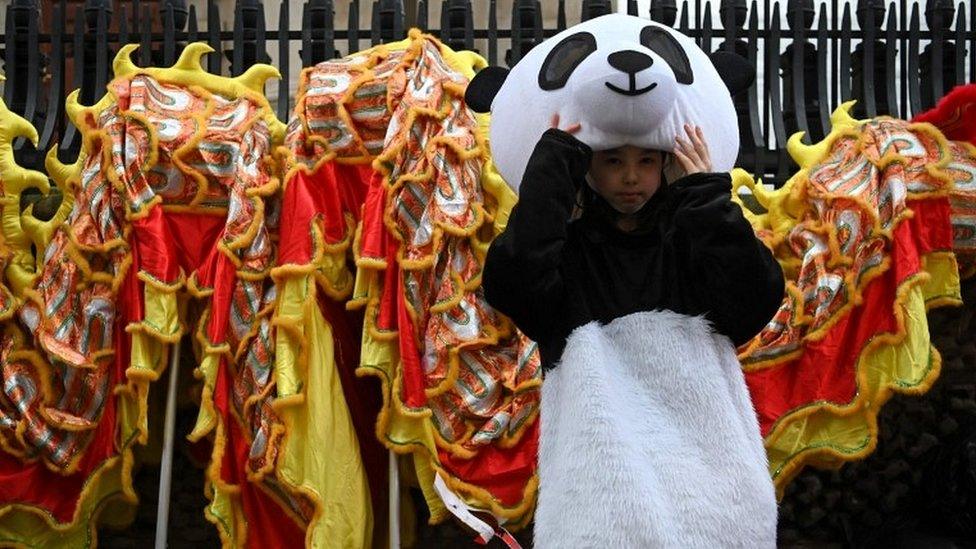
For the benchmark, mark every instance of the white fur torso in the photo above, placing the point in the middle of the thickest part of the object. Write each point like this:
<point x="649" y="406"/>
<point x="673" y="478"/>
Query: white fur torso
<point x="649" y="439"/>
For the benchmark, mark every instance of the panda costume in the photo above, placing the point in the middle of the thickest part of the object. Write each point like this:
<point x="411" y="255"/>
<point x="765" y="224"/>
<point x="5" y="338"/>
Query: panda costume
<point x="648" y="435"/>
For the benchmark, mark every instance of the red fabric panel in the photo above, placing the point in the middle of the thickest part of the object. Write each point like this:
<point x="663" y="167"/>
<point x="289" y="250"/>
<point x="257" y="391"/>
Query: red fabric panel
<point x="413" y="372"/>
<point x="267" y="524"/>
<point x="167" y="241"/>
<point x="826" y="370"/>
<point x="373" y="231"/>
<point x="329" y="193"/>
<point x="386" y="317"/>
<point x="193" y="237"/>
<point x="504" y="472"/>
<point x="221" y="273"/>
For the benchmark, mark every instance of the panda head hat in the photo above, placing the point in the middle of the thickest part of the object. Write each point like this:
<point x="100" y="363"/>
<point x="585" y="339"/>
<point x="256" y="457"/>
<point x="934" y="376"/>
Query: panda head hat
<point x="626" y="80"/>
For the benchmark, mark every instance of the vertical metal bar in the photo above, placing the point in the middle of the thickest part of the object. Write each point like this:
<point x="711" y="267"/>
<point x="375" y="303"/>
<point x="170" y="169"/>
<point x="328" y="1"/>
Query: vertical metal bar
<point x="71" y="142"/>
<point x="101" y="51"/>
<point x="891" y="81"/>
<point x="698" y="20"/>
<point x="55" y="98"/>
<point x="375" y="30"/>
<point x="706" y="37"/>
<point x="260" y="37"/>
<point x="444" y="33"/>
<point x="123" y="26"/>
<point x="867" y="72"/>
<point x="683" y="20"/>
<point x="769" y="73"/>
<point x="914" y="84"/>
<point x="422" y="15"/>
<point x="145" y="38"/>
<point x="561" y="15"/>
<point x="284" y="61"/>
<point x="353" y="26"/>
<point x="468" y="25"/>
<point x="192" y="33"/>
<point x="33" y="73"/>
<point x="493" y="33"/>
<point x="823" y="91"/>
<point x="537" y="35"/>
<point x="394" y="501"/>
<point x="935" y="54"/>
<point x="136" y="25"/>
<point x="798" y="86"/>
<point x="836" y="52"/>
<point x="516" y="50"/>
<point x="844" y="72"/>
<point x="755" y="117"/>
<point x="215" y="60"/>
<point x="398" y="33"/>
<point x="960" y="44"/>
<point x="727" y="17"/>
<point x="237" y="55"/>
<point x="774" y="100"/>
<point x="632" y="7"/>
<point x="169" y="434"/>
<point x="306" y="50"/>
<point x="903" y="63"/>
<point x="169" y="35"/>
<point x="328" y="38"/>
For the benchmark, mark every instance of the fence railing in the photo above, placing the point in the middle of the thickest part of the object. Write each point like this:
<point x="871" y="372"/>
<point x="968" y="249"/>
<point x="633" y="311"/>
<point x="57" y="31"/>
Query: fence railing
<point x="895" y="58"/>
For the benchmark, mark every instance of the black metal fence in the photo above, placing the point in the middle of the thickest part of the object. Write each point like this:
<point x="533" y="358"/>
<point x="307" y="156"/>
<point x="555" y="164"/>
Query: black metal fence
<point x="895" y="58"/>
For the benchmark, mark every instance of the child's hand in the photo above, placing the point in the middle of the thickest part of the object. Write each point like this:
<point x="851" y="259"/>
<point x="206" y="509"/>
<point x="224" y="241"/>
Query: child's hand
<point x="692" y="153"/>
<point x="571" y="129"/>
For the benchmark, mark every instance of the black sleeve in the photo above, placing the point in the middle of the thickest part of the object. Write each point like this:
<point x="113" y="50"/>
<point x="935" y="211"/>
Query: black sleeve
<point x="729" y="273"/>
<point x="522" y="276"/>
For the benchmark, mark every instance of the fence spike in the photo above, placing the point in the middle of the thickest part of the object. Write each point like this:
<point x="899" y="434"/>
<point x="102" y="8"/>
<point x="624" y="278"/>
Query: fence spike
<point x="891" y="82"/>
<point x="823" y="87"/>
<point x="867" y="71"/>
<point x="913" y="76"/>
<point x="844" y="73"/>
<point x="214" y="62"/>
<point x="960" y="45"/>
<point x="284" y="61"/>
<point x="758" y="143"/>
<point x="54" y="121"/>
<point x="797" y="73"/>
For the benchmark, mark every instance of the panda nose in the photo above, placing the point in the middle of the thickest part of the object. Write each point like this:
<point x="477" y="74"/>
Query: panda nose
<point x="630" y="61"/>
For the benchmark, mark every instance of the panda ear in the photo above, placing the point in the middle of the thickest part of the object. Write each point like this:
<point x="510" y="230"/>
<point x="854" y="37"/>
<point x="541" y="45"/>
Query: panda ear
<point x="483" y="88"/>
<point x="737" y="73"/>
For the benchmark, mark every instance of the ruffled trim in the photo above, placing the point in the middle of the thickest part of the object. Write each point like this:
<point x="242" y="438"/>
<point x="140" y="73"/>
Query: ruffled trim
<point x="369" y="295"/>
<point x="819" y="433"/>
<point x="161" y="324"/>
<point x="873" y="392"/>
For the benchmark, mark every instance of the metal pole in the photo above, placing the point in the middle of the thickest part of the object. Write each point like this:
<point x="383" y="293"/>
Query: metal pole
<point x="410" y="14"/>
<point x="166" y="467"/>
<point x="394" y="502"/>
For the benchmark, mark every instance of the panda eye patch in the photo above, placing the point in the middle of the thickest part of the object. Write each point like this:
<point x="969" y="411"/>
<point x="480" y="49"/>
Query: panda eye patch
<point x="564" y="58"/>
<point x="667" y="47"/>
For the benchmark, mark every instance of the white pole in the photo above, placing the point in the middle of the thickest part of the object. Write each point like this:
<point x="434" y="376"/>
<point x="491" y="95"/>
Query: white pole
<point x="166" y="467"/>
<point x="394" y="502"/>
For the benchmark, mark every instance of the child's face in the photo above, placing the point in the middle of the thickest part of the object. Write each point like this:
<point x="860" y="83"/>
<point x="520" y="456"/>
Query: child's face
<point x="626" y="177"/>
